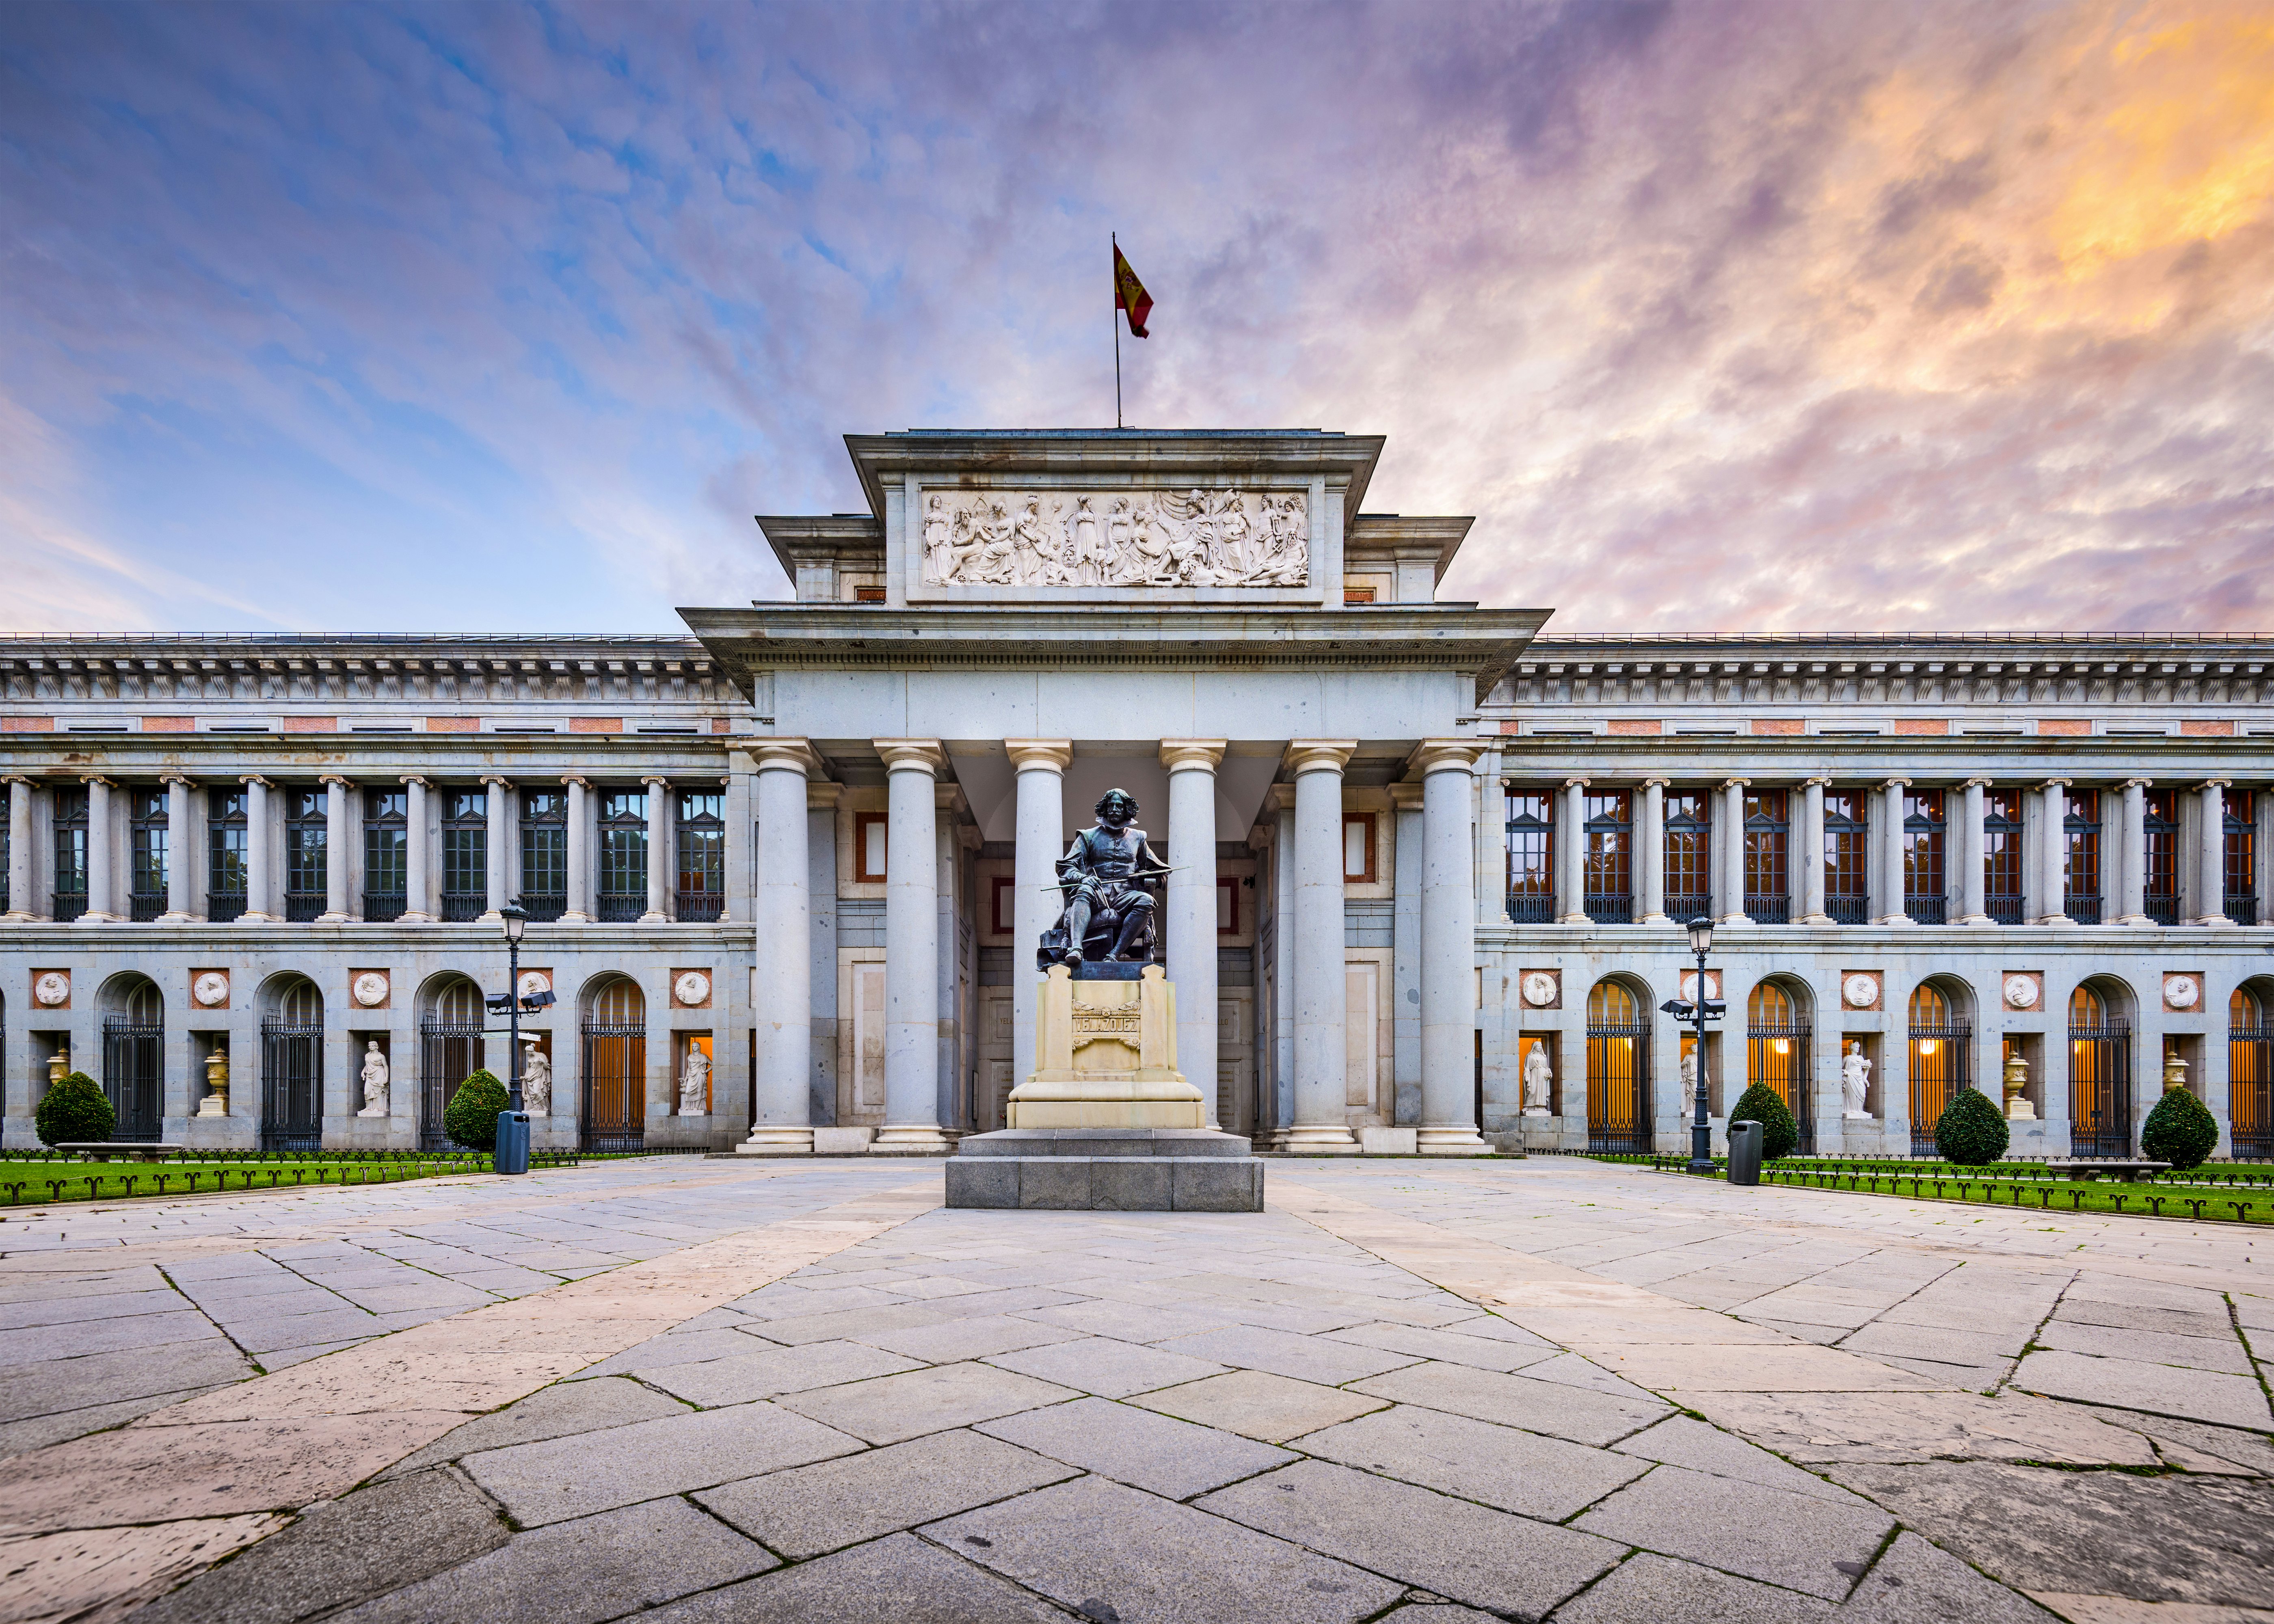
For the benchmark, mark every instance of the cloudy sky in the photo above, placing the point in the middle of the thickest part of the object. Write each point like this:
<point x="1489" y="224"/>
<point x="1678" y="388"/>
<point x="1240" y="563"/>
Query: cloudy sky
<point x="1820" y="315"/>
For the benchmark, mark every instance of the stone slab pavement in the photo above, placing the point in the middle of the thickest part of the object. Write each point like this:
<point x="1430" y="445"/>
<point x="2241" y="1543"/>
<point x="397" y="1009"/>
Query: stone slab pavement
<point x="1423" y="1391"/>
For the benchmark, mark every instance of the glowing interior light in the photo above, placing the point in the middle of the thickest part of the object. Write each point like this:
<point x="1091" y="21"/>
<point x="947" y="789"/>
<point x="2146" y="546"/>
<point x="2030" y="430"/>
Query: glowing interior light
<point x="1782" y="1045"/>
<point x="1926" y="1046"/>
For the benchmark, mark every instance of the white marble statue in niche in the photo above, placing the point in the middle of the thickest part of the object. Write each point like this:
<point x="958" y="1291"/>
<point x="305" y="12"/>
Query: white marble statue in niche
<point x="1538" y="1078"/>
<point x="1855" y="1080"/>
<point x="536" y="1081"/>
<point x="374" y="1080"/>
<point x="1137" y="538"/>
<point x="695" y="1083"/>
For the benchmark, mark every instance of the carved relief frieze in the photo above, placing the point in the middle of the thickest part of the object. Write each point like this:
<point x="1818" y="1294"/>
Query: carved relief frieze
<point x="1116" y="538"/>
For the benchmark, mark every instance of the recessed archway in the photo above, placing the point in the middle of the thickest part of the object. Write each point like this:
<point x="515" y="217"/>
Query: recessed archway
<point x="1940" y="1053"/>
<point x="133" y="1012"/>
<point x="1618" y="1067"/>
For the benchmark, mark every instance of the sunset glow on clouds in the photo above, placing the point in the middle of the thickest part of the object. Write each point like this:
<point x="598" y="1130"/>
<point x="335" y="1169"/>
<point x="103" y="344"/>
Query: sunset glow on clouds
<point x="1799" y="317"/>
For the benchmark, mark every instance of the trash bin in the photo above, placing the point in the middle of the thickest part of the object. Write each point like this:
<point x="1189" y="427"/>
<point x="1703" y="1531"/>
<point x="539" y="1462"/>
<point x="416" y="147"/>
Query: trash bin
<point x="512" y="1153"/>
<point x="1744" y="1153"/>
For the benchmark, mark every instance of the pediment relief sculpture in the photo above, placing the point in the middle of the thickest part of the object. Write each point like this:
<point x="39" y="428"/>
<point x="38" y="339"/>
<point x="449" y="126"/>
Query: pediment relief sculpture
<point x="1117" y="538"/>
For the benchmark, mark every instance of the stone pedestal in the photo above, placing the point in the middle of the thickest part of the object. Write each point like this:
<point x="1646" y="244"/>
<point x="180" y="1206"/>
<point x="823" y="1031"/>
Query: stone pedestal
<point x="1105" y="1055"/>
<point x="1106" y="1170"/>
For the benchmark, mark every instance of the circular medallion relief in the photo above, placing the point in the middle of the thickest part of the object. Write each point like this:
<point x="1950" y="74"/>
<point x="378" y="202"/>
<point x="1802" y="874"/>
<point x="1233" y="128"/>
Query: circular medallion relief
<point x="532" y="982"/>
<point x="1538" y="989"/>
<point x="370" y="989"/>
<point x="693" y="986"/>
<point x="52" y="988"/>
<point x="210" y="989"/>
<point x="1861" y="991"/>
<point x="2020" y="992"/>
<point x="2181" y="991"/>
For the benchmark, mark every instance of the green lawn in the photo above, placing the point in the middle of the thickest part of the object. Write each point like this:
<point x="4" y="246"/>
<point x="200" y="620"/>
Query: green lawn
<point x="1997" y="1186"/>
<point x="30" y="1178"/>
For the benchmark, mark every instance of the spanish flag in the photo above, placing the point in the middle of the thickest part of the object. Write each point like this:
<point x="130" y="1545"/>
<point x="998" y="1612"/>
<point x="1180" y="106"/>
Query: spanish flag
<point x="1129" y="295"/>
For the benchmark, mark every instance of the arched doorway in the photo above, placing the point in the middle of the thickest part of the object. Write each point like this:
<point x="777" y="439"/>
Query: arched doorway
<point x="616" y="1065"/>
<point x="1779" y="1052"/>
<point x="1618" y="1071"/>
<point x="291" y="1064"/>
<point x="134" y="1054"/>
<point x="1941" y="1058"/>
<point x="2250" y="1071"/>
<point x="450" y="1050"/>
<point x="2099" y="1070"/>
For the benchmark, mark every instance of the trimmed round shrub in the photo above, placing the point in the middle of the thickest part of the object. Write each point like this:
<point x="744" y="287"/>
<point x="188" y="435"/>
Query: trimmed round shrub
<point x="2180" y="1130"/>
<point x="1780" y="1134"/>
<point x="75" y="1111"/>
<point x="1972" y="1130"/>
<point x="471" y="1119"/>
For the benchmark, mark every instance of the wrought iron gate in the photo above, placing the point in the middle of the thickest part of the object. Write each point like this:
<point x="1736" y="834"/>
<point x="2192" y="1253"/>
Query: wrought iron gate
<point x="2250" y="1091"/>
<point x="291" y="1085"/>
<point x="449" y="1053"/>
<point x="133" y="1074"/>
<point x="2100" y="1090"/>
<point x="1941" y="1062"/>
<point x="1618" y="1088"/>
<point x="1778" y="1053"/>
<point x="615" y="1087"/>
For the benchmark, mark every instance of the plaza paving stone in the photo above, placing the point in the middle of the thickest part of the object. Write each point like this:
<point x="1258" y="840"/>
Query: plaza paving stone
<point x="1412" y="1391"/>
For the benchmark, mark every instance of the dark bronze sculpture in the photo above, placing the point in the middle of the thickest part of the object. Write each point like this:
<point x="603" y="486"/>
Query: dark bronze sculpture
<point x="1107" y="877"/>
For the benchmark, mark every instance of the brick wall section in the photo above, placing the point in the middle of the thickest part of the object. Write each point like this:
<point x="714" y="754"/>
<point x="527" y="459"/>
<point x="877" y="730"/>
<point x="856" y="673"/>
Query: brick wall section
<point x="170" y="724"/>
<point x="312" y="723"/>
<point x="1772" y="726"/>
<point x="1922" y="727"/>
<point x="1637" y="728"/>
<point x="2064" y="726"/>
<point x="453" y="724"/>
<point x="2207" y="730"/>
<point x="595" y="724"/>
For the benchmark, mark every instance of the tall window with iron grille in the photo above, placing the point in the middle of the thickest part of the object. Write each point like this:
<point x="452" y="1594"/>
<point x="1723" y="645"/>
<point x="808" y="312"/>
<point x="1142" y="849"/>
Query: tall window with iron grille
<point x="544" y="852"/>
<point x="2240" y="858"/>
<point x="307" y="836"/>
<point x="226" y="869"/>
<point x="2001" y="855"/>
<point x="1925" y="899"/>
<point x="1531" y="828"/>
<point x="70" y="852"/>
<point x="465" y="853"/>
<point x="149" y="831"/>
<point x="1768" y="901"/>
<point x="1847" y="855"/>
<point x="1608" y="883"/>
<point x="386" y="855"/>
<point x="1688" y="855"/>
<point x="623" y="855"/>
<point x="2160" y="826"/>
<point x="700" y="841"/>
<point x="2081" y="830"/>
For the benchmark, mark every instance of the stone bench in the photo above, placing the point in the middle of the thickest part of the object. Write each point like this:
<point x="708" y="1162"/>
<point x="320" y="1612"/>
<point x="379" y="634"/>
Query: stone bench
<point x="124" y="1150"/>
<point x="2124" y="1167"/>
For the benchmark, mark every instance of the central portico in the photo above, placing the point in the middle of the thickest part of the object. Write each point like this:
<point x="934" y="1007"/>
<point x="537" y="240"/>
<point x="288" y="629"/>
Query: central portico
<point x="1024" y="619"/>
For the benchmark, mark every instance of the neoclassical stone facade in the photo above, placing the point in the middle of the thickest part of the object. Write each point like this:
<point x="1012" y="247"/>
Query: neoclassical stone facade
<point x="1424" y="852"/>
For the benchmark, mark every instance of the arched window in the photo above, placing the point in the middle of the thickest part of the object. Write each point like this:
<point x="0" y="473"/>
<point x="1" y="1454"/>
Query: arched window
<point x="615" y="1066"/>
<point x="1618" y="1071"/>
<point x="2250" y="1073"/>
<point x="1778" y="1050"/>
<point x="292" y="1067"/>
<point x="1940" y="1054"/>
<point x="2099" y="1077"/>
<point x="133" y="1058"/>
<point x="449" y="1052"/>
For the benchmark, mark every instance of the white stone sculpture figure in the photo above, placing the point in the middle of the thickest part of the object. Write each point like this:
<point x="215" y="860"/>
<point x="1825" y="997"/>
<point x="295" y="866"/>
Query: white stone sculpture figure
<point x="1252" y="538"/>
<point x="1688" y="1079"/>
<point x="693" y="1083"/>
<point x="375" y="1082"/>
<point x="1538" y="1077"/>
<point x="536" y="1082"/>
<point x="1854" y="1078"/>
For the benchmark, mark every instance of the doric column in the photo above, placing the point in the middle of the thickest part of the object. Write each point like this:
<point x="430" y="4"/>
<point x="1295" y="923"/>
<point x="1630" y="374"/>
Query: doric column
<point x="1733" y="853"/>
<point x="335" y="851"/>
<point x="19" y="853"/>
<point x="260" y="861"/>
<point x="100" y="886"/>
<point x="179" y="858"/>
<point x="1650" y="853"/>
<point x="1281" y="800"/>
<point x="1811" y="853"/>
<point x="1571" y="854"/>
<point x="1041" y="765"/>
<point x="1970" y="876"/>
<point x="1407" y="867"/>
<point x="1492" y="837"/>
<point x="497" y="793"/>
<point x="418" y="881"/>
<point x="579" y="910"/>
<point x="659" y="850"/>
<point x="2211" y="854"/>
<point x="2052" y="863"/>
<point x="1449" y="978"/>
<point x="782" y="906"/>
<point x="1890" y="854"/>
<point x="1191" y="906"/>
<point x="911" y="948"/>
<point x="2132" y="855"/>
<point x="1321" y="1016"/>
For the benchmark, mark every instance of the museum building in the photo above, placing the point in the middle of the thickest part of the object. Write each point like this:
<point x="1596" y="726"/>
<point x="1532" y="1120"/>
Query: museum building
<point x="786" y="875"/>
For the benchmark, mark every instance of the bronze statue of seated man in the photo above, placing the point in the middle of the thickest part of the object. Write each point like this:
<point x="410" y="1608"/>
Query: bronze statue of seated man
<point x="1105" y="878"/>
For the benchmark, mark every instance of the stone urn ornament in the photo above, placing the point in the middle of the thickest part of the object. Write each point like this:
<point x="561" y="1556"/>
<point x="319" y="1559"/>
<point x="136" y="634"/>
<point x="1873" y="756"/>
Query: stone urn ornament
<point x="216" y="1101"/>
<point x="2018" y="1107"/>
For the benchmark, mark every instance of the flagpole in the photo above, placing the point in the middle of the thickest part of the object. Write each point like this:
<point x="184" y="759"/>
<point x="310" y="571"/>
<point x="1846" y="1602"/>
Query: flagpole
<point x="1116" y="325"/>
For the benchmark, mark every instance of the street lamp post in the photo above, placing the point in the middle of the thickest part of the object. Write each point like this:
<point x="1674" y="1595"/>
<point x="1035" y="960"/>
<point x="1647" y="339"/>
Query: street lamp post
<point x="1701" y="1132"/>
<point x="511" y="1153"/>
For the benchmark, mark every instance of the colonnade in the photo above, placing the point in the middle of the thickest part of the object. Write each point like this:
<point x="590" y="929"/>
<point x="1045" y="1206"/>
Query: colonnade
<point x="1307" y="849"/>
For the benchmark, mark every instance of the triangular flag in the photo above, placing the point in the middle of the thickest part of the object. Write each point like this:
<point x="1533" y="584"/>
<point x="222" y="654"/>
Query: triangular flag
<point x="1129" y="295"/>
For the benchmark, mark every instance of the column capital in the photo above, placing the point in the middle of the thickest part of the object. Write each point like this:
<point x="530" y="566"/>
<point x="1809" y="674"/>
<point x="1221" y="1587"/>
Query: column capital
<point x="1192" y="755"/>
<point x="1821" y="779"/>
<point x="497" y="779"/>
<point x="568" y="779"/>
<point x="24" y="779"/>
<point x="1736" y="784"/>
<point x="1039" y="755"/>
<point x="1319" y="754"/>
<point x="782" y="755"/>
<point x="1575" y="783"/>
<point x="1281" y="797"/>
<point x="251" y="779"/>
<point x="2056" y="784"/>
<point x="822" y="795"/>
<point x="661" y="778"/>
<point x="1444" y="755"/>
<point x="1660" y="779"/>
<point x="1978" y="781"/>
<point x="181" y="778"/>
<point x="1895" y="783"/>
<point x="1406" y="796"/>
<point x="340" y="779"/>
<point x="92" y="778"/>
<point x="417" y="780"/>
<point x="2206" y="784"/>
<point x="2137" y="784"/>
<point x="912" y="755"/>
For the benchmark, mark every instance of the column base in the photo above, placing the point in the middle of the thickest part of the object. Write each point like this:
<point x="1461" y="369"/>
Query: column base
<point x="1453" y="1141"/>
<point x="2134" y="919"/>
<point x="1320" y="1139"/>
<point x="414" y="917"/>
<point x="1655" y="919"/>
<point x="1818" y="919"/>
<point x="2216" y="921"/>
<point x="92" y="918"/>
<point x="771" y="1141"/>
<point x="2060" y="919"/>
<point x="330" y="918"/>
<point x="1974" y="919"/>
<point x="653" y="918"/>
<point x="489" y="917"/>
<point x="916" y="1139"/>
<point x="167" y="918"/>
<point x="1895" y="918"/>
<point x="1734" y="918"/>
<point x="574" y="916"/>
<point x="259" y="919"/>
<point x="1573" y="919"/>
<point x="17" y="916"/>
